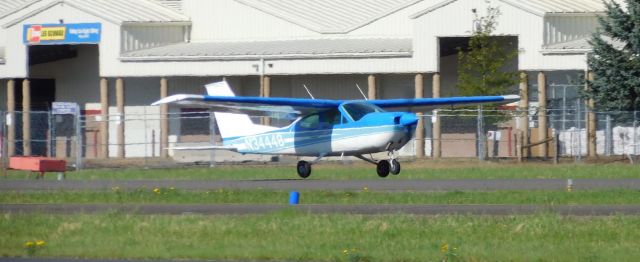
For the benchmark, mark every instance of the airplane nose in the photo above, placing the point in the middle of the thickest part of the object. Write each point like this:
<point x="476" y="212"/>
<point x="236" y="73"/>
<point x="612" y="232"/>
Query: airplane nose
<point x="408" y="119"/>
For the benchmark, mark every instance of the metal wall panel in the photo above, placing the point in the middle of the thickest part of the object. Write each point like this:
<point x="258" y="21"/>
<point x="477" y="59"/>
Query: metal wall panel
<point x="559" y="29"/>
<point x="144" y="37"/>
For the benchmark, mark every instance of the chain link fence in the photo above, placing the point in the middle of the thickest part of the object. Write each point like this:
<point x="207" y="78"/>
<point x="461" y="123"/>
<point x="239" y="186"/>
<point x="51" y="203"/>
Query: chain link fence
<point x="471" y="133"/>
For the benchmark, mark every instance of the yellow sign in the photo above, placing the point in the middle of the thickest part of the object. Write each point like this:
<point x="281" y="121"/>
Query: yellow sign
<point x="36" y="34"/>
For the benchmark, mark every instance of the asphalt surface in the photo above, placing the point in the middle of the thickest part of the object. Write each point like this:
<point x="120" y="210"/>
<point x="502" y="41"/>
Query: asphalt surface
<point x="171" y="209"/>
<point x="333" y="185"/>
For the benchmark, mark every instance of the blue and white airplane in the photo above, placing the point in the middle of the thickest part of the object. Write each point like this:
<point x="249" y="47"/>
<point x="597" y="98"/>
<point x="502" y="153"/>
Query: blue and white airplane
<point x="321" y="127"/>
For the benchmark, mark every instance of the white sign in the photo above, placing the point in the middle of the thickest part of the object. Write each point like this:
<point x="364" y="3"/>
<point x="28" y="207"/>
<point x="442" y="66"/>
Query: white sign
<point x="494" y="135"/>
<point x="64" y="108"/>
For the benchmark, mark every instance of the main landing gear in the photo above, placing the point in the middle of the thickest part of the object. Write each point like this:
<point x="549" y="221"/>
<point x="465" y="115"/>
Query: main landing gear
<point x="304" y="167"/>
<point x="384" y="167"/>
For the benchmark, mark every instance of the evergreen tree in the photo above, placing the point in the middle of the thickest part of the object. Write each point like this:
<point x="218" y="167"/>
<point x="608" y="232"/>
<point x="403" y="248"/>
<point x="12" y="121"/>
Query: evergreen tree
<point x="617" y="69"/>
<point x="481" y="66"/>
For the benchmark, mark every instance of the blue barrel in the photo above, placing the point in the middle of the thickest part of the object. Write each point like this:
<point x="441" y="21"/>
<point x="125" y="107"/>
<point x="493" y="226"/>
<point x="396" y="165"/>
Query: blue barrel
<point x="294" y="198"/>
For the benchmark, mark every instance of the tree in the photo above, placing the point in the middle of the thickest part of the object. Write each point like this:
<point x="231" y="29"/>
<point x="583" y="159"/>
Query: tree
<point x="615" y="59"/>
<point x="481" y="66"/>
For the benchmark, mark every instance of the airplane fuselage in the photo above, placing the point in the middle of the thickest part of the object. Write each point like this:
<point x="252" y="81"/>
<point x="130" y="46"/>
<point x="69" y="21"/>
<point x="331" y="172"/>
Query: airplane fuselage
<point x="376" y="132"/>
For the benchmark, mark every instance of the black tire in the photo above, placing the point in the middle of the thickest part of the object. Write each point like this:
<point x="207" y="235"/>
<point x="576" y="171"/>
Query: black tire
<point x="395" y="167"/>
<point x="383" y="168"/>
<point x="304" y="169"/>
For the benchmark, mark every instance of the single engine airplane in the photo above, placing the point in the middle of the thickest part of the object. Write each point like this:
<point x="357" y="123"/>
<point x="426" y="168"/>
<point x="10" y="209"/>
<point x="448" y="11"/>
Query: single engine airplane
<point x="321" y="127"/>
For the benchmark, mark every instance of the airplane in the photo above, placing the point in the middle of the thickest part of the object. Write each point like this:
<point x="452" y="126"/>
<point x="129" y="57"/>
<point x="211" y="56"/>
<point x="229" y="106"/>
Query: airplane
<point x="321" y="127"/>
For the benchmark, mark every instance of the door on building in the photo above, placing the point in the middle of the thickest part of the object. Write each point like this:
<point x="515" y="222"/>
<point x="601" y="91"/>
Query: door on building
<point x="42" y="94"/>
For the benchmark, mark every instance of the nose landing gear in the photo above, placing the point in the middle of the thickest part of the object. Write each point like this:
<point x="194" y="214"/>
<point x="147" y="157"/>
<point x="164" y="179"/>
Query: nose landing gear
<point x="384" y="167"/>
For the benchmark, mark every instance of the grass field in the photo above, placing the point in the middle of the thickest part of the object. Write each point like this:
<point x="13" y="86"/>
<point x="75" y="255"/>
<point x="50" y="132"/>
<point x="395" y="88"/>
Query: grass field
<point x="293" y="236"/>
<point x="297" y="236"/>
<point x="173" y="196"/>
<point x="423" y="170"/>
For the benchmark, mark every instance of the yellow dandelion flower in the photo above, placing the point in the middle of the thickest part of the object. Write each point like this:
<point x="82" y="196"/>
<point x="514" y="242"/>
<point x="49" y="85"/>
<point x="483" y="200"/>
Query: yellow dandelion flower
<point x="345" y="251"/>
<point x="444" y="248"/>
<point x="156" y="190"/>
<point x="40" y="243"/>
<point x="28" y="244"/>
<point x="365" y="189"/>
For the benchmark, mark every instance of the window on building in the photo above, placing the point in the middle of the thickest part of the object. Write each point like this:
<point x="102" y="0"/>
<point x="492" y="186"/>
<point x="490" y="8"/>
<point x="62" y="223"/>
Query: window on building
<point x="194" y="121"/>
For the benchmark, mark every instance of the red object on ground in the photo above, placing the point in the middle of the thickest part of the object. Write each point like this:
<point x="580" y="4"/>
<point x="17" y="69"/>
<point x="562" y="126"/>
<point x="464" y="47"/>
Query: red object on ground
<point x="37" y="164"/>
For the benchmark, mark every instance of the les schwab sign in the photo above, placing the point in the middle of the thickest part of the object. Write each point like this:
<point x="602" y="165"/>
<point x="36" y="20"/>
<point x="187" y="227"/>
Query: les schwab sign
<point x="60" y="34"/>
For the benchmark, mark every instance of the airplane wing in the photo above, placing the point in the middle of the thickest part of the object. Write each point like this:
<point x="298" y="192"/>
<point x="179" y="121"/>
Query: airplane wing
<point x="422" y="104"/>
<point x="255" y="106"/>
<point x="293" y="107"/>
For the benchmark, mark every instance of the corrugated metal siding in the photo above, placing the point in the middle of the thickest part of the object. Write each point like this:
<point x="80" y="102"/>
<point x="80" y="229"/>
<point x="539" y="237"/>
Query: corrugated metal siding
<point x="329" y="16"/>
<point x="9" y="6"/>
<point x="560" y="29"/>
<point x="174" y="4"/>
<point x="542" y="7"/>
<point x="129" y="11"/>
<point x="144" y="37"/>
<point x="329" y="87"/>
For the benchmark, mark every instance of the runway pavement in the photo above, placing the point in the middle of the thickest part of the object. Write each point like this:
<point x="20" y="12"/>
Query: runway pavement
<point x="233" y="209"/>
<point x="333" y="185"/>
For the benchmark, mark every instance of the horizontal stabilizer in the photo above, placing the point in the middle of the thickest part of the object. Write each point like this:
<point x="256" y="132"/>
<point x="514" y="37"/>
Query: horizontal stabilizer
<point x="196" y="148"/>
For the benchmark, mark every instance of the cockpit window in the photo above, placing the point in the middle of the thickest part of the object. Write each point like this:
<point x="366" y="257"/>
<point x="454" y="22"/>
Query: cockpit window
<point x="358" y="110"/>
<point x="325" y="119"/>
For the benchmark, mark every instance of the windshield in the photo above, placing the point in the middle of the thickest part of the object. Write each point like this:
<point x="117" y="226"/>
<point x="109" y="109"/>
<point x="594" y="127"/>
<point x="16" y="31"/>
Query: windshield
<point x="358" y="110"/>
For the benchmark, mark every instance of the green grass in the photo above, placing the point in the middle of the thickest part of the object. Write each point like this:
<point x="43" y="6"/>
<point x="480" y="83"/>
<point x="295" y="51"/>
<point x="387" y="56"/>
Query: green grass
<point x="423" y="170"/>
<point x="173" y="196"/>
<point x="294" y="236"/>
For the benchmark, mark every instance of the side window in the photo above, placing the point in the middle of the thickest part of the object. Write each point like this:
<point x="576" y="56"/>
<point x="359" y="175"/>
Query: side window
<point x="332" y="117"/>
<point x="310" y="122"/>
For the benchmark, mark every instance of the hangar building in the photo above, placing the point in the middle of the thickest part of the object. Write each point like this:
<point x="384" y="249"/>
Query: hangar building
<point x="116" y="57"/>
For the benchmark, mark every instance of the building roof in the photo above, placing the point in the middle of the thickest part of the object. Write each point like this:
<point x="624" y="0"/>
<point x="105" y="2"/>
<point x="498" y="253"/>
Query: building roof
<point x="312" y="48"/>
<point x="7" y="7"/>
<point x="539" y="7"/>
<point x="329" y="16"/>
<point x="174" y="4"/>
<point x="117" y="11"/>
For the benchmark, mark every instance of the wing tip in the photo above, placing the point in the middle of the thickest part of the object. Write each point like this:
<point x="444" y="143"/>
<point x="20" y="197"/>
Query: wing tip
<point x="511" y="97"/>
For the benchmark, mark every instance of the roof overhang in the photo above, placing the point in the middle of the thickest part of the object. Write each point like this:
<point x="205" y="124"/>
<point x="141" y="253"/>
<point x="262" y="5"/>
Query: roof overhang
<point x="283" y="49"/>
<point x="271" y="57"/>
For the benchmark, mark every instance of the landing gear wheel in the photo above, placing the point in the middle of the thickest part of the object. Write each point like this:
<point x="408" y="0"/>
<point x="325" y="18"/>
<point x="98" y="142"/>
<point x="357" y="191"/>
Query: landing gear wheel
<point x="383" y="168"/>
<point x="395" y="167"/>
<point x="304" y="169"/>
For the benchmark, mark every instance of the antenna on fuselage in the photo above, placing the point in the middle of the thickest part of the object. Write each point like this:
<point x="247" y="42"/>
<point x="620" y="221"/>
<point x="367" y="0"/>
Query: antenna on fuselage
<point x="360" y="89"/>
<point x="308" y="92"/>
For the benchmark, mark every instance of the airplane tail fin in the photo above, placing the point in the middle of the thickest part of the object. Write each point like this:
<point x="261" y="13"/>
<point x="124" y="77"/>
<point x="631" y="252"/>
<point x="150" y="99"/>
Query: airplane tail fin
<point x="229" y="124"/>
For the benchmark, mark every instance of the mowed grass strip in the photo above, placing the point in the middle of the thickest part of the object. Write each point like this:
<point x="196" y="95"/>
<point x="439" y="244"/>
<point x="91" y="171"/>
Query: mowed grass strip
<point x="175" y="196"/>
<point x="293" y="236"/>
<point x="422" y="170"/>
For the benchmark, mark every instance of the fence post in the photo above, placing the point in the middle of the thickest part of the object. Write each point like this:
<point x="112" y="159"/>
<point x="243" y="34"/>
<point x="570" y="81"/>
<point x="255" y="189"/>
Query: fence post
<point x="212" y="137"/>
<point x="578" y="127"/>
<point x="78" y="139"/>
<point x="481" y="141"/>
<point x="556" y="144"/>
<point x="608" y="139"/>
<point x="50" y="134"/>
<point x="5" y="144"/>
<point x="635" y="124"/>
<point x="519" y="151"/>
